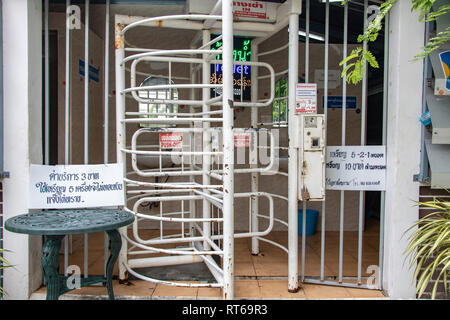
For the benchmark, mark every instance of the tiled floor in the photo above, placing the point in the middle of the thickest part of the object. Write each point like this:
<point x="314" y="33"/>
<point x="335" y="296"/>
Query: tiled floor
<point x="257" y="277"/>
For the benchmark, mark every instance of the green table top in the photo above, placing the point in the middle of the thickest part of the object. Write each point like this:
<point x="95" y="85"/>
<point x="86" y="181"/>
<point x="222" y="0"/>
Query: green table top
<point x="72" y="221"/>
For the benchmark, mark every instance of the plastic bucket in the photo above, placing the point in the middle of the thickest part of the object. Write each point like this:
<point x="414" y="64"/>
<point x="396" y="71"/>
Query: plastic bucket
<point x="311" y="221"/>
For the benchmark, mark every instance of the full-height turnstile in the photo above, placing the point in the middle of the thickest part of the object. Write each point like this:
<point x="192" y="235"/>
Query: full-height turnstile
<point x="191" y="173"/>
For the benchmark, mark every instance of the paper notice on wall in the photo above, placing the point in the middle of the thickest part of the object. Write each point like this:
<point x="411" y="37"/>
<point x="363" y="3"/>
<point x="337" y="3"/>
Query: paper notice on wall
<point x="76" y="186"/>
<point x="171" y="140"/>
<point x="356" y="168"/>
<point x="306" y="98"/>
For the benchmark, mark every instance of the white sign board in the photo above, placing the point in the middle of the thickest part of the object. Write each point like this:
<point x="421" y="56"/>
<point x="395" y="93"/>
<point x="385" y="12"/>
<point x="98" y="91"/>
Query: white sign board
<point x="76" y="186"/>
<point x="250" y="9"/>
<point x="356" y="168"/>
<point x="306" y="98"/>
<point x="334" y="78"/>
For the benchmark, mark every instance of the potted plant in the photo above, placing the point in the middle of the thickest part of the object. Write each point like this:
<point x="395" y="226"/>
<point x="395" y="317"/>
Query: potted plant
<point x="429" y="247"/>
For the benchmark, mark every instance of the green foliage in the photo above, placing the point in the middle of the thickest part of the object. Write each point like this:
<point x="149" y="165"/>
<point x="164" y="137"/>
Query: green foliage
<point x="354" y="71"/>
<point x="3" y="265"/>
<point x="429" y="247"/>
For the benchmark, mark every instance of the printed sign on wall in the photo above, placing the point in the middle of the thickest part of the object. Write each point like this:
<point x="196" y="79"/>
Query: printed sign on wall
<point x="76" y="186"/>
<point x="356" y="168"/>
<point x="306" y="98"/>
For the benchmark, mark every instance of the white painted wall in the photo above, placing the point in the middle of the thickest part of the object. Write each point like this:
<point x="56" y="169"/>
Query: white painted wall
<point x="22" y="67"/>
<point x="403" y="146"/>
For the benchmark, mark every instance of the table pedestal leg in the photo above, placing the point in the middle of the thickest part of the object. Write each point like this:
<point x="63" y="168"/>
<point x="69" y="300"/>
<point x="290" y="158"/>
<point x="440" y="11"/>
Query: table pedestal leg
<point x="50" y="264"/>
<point x="115" y="243"/>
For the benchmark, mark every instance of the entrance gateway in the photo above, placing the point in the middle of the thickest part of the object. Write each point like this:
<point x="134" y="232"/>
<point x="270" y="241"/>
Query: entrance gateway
<point x="193" y="167"/>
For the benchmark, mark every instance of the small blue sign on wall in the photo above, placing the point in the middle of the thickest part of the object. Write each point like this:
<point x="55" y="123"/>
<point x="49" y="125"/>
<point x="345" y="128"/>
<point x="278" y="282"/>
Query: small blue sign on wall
<point x="93" y="72"/>
<point x="335" y="102"/>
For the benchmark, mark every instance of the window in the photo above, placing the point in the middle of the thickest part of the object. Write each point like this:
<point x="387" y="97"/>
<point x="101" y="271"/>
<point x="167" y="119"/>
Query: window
<point x="280" y="109"/>
<point x="157" y="110"/>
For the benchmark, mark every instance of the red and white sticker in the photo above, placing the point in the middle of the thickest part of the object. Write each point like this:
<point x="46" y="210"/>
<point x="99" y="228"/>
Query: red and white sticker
<point x="306" y="98"/>
<point x="171" y="140"/>
<point x="242" y="140"/>
<point x="250" y="9"/>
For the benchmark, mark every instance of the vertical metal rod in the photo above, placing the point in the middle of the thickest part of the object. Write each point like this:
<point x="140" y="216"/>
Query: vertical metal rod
<point x="307" y="42"/>
<point x="363" y="142"/>
<point x="344" y="114"/>
<point x="304" y="210"/>
<point x="325" y="112"/>
<point x="228" y="150"/>
<point x="86" y="118"/>
<point x="384" y="140"/>
<point x="106" y="115"/>
<point x="47" y="86"/>
<point x="293" y="158"/>
<point x="67" y="121"/>
<point x="192" y="204"/>
<point x="120" y="127"/>
<point x="206" y="161"/>
<point x="254" y="176"/>
<point x="106" y="96"/>
<point x="426" y="74"/>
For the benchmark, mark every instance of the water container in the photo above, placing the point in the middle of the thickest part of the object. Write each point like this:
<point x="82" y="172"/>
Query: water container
<point x="311" y="221"/>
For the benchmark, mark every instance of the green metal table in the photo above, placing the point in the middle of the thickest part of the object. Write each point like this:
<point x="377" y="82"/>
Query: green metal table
<point x="56" y="224"/>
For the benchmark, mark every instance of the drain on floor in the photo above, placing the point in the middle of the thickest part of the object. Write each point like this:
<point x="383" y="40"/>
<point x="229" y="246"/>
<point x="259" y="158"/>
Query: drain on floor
<point x="182" y="272"/>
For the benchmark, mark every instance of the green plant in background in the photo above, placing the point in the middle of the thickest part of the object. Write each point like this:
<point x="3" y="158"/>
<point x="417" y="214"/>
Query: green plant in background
<point x="429" y="247"/>
<point x="3" y="265"/>
<point x="355" y="69"/>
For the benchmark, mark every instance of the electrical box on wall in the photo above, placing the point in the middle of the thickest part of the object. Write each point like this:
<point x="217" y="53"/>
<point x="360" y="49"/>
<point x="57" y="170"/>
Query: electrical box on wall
<point x="312" y="157"/>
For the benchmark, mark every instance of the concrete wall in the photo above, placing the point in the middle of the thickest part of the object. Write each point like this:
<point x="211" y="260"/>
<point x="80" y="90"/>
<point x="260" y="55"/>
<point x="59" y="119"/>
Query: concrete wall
<point x="403" y="146"/>
<point x="22" y="70"/>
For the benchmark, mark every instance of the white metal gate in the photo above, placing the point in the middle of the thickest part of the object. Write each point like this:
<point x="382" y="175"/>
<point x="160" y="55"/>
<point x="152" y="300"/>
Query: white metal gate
<point x="185" y="174"/>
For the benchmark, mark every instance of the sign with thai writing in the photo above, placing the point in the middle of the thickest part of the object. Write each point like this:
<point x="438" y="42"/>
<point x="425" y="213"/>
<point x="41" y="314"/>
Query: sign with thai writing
<point x="306" y="98"/>
<point x="171" y="140"/>
<point x="76" y="186"/>
<point x="250" y="9"/>
<point x="336" y="102"/>
<point x="93" y="71"/>
<point x="356" y="168"/>
<point x="241" y="140"/>
<point x="242" y="75"/>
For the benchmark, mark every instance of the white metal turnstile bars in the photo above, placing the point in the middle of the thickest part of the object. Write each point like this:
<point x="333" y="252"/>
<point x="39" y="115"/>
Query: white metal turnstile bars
<point x="195" y="195"/>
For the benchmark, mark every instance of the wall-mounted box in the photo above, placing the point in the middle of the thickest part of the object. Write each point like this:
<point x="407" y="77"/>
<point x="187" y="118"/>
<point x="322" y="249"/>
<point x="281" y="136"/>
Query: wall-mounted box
<point x="312" y="158"/>
<point x="439" y="107"/>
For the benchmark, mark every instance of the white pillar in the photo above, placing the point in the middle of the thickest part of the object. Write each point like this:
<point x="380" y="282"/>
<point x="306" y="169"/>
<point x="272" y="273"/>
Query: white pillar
<point x="228" y="149"/>
<point x="293" y="157"/>
<point x="22" y="70"/>
<point x="403" y="146"/>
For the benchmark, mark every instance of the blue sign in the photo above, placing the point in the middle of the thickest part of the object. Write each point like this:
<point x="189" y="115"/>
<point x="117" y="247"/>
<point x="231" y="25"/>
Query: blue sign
<point x="445" y="61"/>
<point x="93" y="72"/>
<point x="335" y="102"/>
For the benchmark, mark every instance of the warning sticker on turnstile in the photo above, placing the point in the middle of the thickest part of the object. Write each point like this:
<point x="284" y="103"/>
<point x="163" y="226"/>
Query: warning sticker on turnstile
<point x="171" y="140"/>
<point x="306" y="98"/>
<point x="241" y="140"/>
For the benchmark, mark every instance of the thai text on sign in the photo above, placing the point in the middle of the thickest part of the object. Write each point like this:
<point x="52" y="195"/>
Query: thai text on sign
<point x="306" y="98"/>
<point x="171" y="140"/>
<point x="356" y="168"/>
<point x="76" y="186"/>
